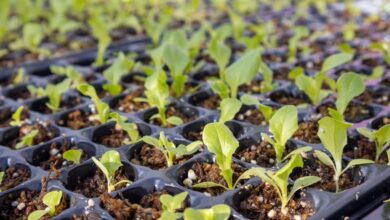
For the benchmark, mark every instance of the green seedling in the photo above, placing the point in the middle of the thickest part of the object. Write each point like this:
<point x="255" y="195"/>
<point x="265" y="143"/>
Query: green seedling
<point x="300" y="32"/>
<point x="130" y="128"/>
<point x="312" y="86"/>
<point x="383" y="48"/>
<point x="333" y="135"/>
<point x="155" y="28"/>
<point x="238" y="24"/>
<point x="101" y="31"/>
<point x="170" y="150"/>
<point x="109" y="163"/>
<point x="36" y="91"/>
<point x="280" y="179"/>
<point x="19" y="77"/>
<point x="51" y="200"/>
<point x="17" y="117"/>
<point x="27" y="140"/>
<point x="170" y="205"/>
<point x="265" y="110"/>
<point x="220" y="53"/>
<point x="349" y="30"/>
<point x="381" y="137"/>
<point x="2" y="174"/>
<point x="70" y="72"/>
<point x="121" y="66"/>
<point x="102" y="108"/>
<point x="54" y="92"/>
<point x="217" y="212"/>
<point x="73" y="155"/>
<point x="229" y="108"/>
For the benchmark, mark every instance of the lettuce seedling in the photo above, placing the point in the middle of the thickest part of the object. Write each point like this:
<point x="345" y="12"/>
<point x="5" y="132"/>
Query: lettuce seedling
<point x="170" y="204"/>
<point x="70" y="72"/>
<point x="33" y="34"/>
<point x="19" y="77"/>
<point x="349" y="86"/>
<point x="383" y="48"/>
<point x="102" y="108"/>
<point x="217" y="212"/>
<point x="109" y="163"/>
<point x="169" y="149"/>
<point x="1" y="177"/>
<point x="333" y="135"/>
<point x="238" y="24"/>
<point x="282" y="126"/>
<point x="280" y="179"/>
<point x="17" y="117"/>
<point x="121" y="66"/>
<point x="101" y="31"/>
<point x="299" y="33"/>
<point x="36" y="91"/>
<point x="220" y="53"/>
<point x="312" y="86"/>
<point x="51" y="200"/>
<point x="381" y="137"/>
<point x="27" y="140"/>
<point x="240" y="72"/>
<point x="130" y="128"/>
<point x="73" y="155"/>
<point x="54" y="92"/>
<point x="265" y="110"/>
<point x="229" y="108"/>
<point x="157" y="93"/>
<point x="155" y="28"/>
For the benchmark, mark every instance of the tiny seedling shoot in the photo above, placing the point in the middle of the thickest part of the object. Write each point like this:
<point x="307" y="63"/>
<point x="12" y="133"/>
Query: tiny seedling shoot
<point x="102" y="108"/>
<point x="17" y="117"/>
<point x="217" y="212"/>
<point x="51" y="200"/>
<point x="73" y="155"/>
<point x="381" y="137"/>
<point x="27" y="140"/>
<point x="131" y="129"/>
<point x="171" y="204"/>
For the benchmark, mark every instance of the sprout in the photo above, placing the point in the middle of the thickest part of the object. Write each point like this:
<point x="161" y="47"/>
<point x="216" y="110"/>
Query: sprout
<point x="72" y="155"/>
<point x="51" y="200"/>
<point x="217" y="212"/>
<point x="102" y="108"/>
<point x="130" y="128"/>
<point x="27" y="140"/>
<point x="17" y="117"/>
<point x="170" y="204"/>
<point x="381" y="137"/>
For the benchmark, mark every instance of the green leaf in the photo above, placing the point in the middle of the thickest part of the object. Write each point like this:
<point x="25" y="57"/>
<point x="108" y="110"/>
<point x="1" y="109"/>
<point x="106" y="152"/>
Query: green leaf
<point x="1" y="177"/>
<point x="130" y="128"/>
<point x="221" y="54"/>
<point x="220" y="141"/>
<point x="267" y="84"/>
<point x="174" y="120"/>
<point x="312" y="87"/>
<point x="229" y="108"/>
<point x="206" y="185"/>
<point x="217" y="212"/>
<point x="267" y="111"/>
<point x="172" y="203"/>
<point x="72" y="155"/>
<point x="109" y="163"/>
<point x="381" y="137"/>
<point x="36" y="215"/>
<point x="183" y="150"/>
<point x="19" y="77"/>
<point x="349" y="86"/>
<point x="242" y="71"/>
<point x="102" y="108"/>
<point x="294" y="73"/>
<point x="100" y="30"/>
<point x="219" y="87"/>
<point x="55" y="92"/>
<point x="298" y="151"/>
<point x="151" y="141"/>
<point x="121" y="66"/>
<point x="283" y="125"/>
<point x="52" y="200"/>
<point x="324" y="158"/>
<point x="27" y="140"/>
<point x="157" y="93"/>
<point x="357" y="162"/>
<point x="336" y="60"/>
<point x="16" y="117"/>
<point x="303" y="182"/>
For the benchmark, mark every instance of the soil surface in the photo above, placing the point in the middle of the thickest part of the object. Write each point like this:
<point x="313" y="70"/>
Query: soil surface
<point x="95" y="185"/>
<point x="173" y="110"/>
<point x="307" y="132"/>
<point x="354" y="113"/>
<point x="129" y="104"/>
<point x="148" y="208"/>
<point x="380" y="98"/>
<point x="261" y="153"/>
<point x="253" y="116"/>
<point x="116" y="138"/>
<point x="263" y="203"/>
<point x="64" y="104"/>
<point x="44" y="134"/>
<point x="78" y="120"/>
<point x="211" y="102"/>
<point x="287" y="99"/>
<point x="6" y="117"/>
<point x="13" y="176"/>
<point x="364" y="149"/>
<point x="207" y="172"/>
<point x="252" y="88"/>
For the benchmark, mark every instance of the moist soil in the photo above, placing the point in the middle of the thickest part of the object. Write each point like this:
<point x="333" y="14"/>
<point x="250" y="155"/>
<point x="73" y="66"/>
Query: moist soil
<point x="194" y="134"/>
<point x="354" y="113"/>
<point x="78" y="120"/>
<point x="154" y="158"/>
<point x="261" y="153"/>
<point x="172" y="110"/>
<point x="313" y="167"/>
<point x="263" y="203"/>
<point x="253" y="116"/>
<point x="380" y="98"/>
<point x="22" y="94"/>
<point x="208" y="172"/>
<point x="287" y="99"/>
<point x="19" y="206"/>
<point x="307" y="132"/>
<point x="129" y="104"/>
<point x="95" y="185"/>
<point x="254" y="87"/>
<point x="211" y="102"/>
<point x="13" y="176"/>
<point x="6" y="117"/>
<point x="56" y="163"/>
<point x="148" y="208"/>
<point x="44" y="134"/>
<point x="64" y="104"/>
<point x="116" y="138"/>
<point x="365" y="149"/>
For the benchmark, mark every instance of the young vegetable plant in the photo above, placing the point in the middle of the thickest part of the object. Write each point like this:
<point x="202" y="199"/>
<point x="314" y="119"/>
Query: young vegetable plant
<point x="109" y="163"/>
<point x="265" y="110"/>
<point x="169" y="149"/>
<point x="383" y="48"/>
<point x="381" y="137"/>
<point x="2" y="174"/>
<point x="73" y="155"/>
<point x="27" y="140"/>
<point x="170" y="204"/>
<point x="51" y="200"/>
<point x="121" y="66"/>
<point x="333" y="135"/>
<point x="279" y="179"/>
<point x="19" y="77"/>
<point x="70" y="72"/>
<point x="36" y="91"/>
<point x="240" y="72"/>
<point x="102" y="108"/>
<point x="17" y="117"/>
<point x="229" y="108"/>
<point x="130" y="128"/>
<point x="299" y="33"/>
<point x="217" y="212"/>
<point x="101" y="31"/>
<point x="220" y="53"/>
<point x="312" y="86"/>
<point x="157" y="93"/>
<point x="54" y="92"/>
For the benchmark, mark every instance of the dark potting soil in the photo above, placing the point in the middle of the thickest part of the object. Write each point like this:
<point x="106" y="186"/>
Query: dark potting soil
<point x="263" y="202"/>
<point x="13" y="176"/>
<point x="208" y="172"/>
<point x="174" y="111"/>
<point x="380" y="98"/>
<point x="6" y="117"/>
<point x="44" y="134"/>
<point x="253" y="116"/>
<point x="307" y="132"/>
<point x="211" y="102"/>
<point x="354" y="113"/>
<point x="78" y="120"/>
<point x="114" y="139"/>
<point x="129" y="104"/>
<point x="365" y="149"/>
